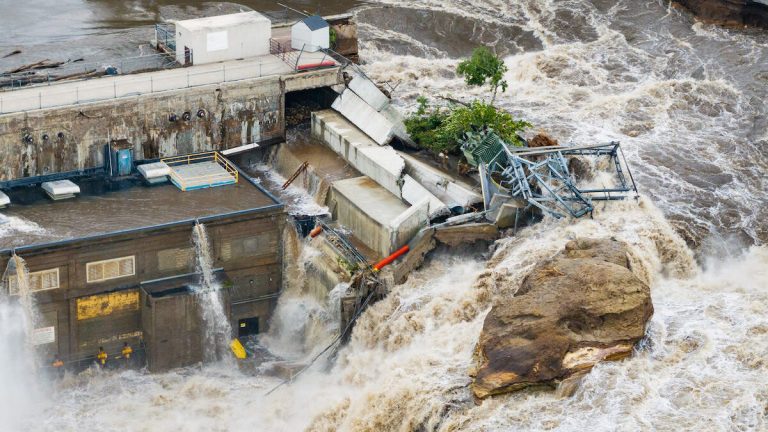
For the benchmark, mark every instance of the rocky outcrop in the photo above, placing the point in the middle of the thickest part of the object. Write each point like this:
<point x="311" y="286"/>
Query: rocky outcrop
<point x="730" y="12"/>
<point x="579" y="308"/>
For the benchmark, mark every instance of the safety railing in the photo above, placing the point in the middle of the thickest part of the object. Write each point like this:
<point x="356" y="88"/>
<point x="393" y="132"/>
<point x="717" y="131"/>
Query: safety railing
<point x="165" y="36"/>
<point x="67" y="93"/>
<point x="185" y="182"/>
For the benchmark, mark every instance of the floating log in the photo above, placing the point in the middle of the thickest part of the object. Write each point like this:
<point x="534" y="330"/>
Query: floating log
<point x="42" y="64"/>
<point x="12" y="53"/>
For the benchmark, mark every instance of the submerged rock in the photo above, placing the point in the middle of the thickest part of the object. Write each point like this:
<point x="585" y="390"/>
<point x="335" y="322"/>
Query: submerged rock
<point x="579" y="308"/>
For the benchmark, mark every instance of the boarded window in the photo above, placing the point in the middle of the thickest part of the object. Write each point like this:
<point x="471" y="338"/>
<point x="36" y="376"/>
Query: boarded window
<point x="110" y="269"/>
<point x="247" y="246"/>
<point x="174" y="259"/>
<point x="38" y="281"/>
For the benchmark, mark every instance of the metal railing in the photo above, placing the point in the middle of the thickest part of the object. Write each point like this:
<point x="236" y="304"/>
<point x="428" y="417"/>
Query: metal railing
<point x="165" y="36"/>
<point x="186" y="182"/>
<point x="73" y="93"/>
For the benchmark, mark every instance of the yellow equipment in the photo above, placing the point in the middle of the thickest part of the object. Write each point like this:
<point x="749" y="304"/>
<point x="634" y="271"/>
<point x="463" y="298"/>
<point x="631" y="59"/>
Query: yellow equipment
<point x="238" y="349"/>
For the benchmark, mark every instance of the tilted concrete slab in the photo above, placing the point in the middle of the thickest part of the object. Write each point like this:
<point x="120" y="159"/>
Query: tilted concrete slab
<point x="414" y="193"/>
<point x="381" y="163"/>
<point x="450" y="190"/>
<point x="357" y="111"/>
<point x="368" y="92"/>
<point x="375" y="216"/>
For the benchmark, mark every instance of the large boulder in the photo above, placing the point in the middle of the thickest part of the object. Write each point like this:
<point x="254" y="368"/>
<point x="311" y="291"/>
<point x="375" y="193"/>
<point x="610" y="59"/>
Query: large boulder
<point x="583" y="306"/>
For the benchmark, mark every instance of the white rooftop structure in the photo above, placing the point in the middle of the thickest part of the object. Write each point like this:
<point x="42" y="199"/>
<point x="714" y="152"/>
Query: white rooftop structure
<point x="311" y="34"/>
<point x="61" y="189"/>
<point x="221" y="38"/>
<point x="156" y="172"/>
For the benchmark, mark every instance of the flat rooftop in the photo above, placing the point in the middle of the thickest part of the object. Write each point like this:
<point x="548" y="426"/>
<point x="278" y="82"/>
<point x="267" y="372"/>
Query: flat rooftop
<point x="36" y="219"/>
<point x="223" y="21"/>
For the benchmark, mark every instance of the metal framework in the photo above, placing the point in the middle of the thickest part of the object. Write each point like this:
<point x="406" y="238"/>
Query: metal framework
<point x="541" y="176"/>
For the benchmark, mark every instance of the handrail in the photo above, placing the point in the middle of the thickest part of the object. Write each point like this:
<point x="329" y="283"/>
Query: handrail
<point x="189" y="159"/>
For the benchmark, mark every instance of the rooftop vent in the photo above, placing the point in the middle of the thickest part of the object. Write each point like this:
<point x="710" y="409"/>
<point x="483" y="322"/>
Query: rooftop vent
<point x="61" y="189"/>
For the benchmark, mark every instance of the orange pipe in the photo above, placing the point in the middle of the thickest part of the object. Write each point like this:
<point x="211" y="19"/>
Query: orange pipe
<point x="388" y="260"/>
<point x="315" y="231"/>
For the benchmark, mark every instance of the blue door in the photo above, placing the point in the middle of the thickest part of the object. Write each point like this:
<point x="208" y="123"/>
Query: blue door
<point x="124" y="162"/>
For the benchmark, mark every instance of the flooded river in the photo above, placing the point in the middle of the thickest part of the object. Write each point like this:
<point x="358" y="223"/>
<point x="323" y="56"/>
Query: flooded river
<point x="687" y="101"/>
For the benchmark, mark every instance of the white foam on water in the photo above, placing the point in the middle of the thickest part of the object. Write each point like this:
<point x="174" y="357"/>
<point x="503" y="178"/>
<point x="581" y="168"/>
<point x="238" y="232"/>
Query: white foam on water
<point x="296" y="199"/>
<point x="672" y="94"/>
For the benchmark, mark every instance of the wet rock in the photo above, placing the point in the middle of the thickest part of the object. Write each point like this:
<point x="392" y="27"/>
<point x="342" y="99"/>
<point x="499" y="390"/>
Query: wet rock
<point x="542" y="140"/>
<point x="579" y="308"/>
<point x="729" y="12"/>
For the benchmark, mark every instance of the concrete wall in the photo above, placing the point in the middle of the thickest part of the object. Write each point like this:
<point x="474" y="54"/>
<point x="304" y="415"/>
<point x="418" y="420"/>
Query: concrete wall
<point x="382" y="164"/>
<point x="375" y="216"/>
<point x="70" y="138"/>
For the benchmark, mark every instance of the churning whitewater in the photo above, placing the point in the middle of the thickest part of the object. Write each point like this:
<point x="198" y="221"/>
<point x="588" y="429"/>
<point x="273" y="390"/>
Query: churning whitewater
<point x="685" y="99"/>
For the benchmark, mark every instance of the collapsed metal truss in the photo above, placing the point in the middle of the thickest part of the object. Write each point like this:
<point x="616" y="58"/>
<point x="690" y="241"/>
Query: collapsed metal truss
<point x="541" y="176"/>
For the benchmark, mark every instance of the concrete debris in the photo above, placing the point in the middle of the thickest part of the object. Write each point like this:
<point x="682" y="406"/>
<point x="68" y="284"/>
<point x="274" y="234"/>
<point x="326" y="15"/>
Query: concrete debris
<point x="368" y="92"/>
<point x="374" y="214"/>
<point x="381" y="163"/>
<point x="457" y="235"/>
<point x="452" y="192"/>
<point x="362" y="115"/>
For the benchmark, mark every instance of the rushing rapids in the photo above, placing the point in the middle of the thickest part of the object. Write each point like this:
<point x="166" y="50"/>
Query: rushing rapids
<point x="686" y="101"/>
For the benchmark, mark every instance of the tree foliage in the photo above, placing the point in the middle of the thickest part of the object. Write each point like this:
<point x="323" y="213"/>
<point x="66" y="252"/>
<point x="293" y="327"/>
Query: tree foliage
<point x="479" y="115"/>
<point x="440" y="130"/>
<point x="484" y="67"/>
<point x="425" y="124"/>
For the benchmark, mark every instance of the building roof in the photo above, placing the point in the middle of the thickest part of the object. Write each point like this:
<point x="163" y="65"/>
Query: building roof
<point x="315" y="22"/>
<point x="222" y="21"/>
<point x="33" y="218"/>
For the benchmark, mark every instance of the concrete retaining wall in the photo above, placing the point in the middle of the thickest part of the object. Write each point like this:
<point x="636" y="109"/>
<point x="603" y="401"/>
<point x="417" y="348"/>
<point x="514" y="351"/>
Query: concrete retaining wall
<point x="382" y="164"/>
<point x="70" y="138"/>
<point x="374" y="215"/>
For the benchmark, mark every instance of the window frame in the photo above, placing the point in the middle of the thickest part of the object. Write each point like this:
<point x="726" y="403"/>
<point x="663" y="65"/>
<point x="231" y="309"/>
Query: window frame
<point x="89" y="265"/>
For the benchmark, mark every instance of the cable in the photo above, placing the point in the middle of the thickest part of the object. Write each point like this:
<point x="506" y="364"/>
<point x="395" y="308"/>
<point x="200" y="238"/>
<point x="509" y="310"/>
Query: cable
<point x="341" y="336"/>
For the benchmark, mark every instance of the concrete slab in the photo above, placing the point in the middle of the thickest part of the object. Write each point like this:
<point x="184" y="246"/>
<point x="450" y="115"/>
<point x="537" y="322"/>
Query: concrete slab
<point x="4" y="200"/>
<point x="374" y="215"/>
<point x="368" y="92"/>
<point x="414" y="192"/>
<point x="466" y="234"/>
<point x="382" y="164"/>
<point x="362" y="115"/>
<point x="448" y="189"/>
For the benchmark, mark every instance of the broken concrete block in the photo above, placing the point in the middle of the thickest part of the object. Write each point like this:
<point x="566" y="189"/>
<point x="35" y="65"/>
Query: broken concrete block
<point x="414" y="192"/>
<point x="368" y="92"/>
<point x="448" y="189"/>
<point x="362" y="115"/>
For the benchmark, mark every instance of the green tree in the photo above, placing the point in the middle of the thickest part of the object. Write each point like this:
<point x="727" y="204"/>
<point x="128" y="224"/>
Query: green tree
<point x="484" y="67"/>
<point x="478" y="115"/>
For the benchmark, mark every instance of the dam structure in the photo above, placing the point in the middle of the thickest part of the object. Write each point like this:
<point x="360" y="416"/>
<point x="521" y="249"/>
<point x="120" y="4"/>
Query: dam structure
<point x="235" y="98"/>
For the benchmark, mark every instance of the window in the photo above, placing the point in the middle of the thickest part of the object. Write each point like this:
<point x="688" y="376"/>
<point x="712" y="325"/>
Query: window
<point x="38" y="281"/>
<point x="110" y="269"/>
<point x="174" y="259"/>
<point x="247" y="246"/>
